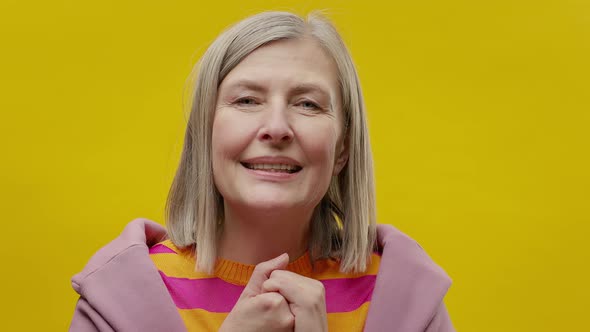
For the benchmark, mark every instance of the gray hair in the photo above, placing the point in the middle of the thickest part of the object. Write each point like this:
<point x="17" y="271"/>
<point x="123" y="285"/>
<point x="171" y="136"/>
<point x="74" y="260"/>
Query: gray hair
<point x="343" y="223"/>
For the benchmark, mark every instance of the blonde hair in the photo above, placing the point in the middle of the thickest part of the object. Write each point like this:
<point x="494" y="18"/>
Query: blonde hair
<point x="343" y="223"/>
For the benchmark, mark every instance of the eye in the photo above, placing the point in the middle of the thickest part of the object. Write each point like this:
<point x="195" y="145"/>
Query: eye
<point x="309" y="105"/>
<point x="245" y="101"/>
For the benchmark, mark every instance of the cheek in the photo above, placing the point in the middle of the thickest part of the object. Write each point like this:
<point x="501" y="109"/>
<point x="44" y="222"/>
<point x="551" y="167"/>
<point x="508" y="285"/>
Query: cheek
<point x="229" y="137"/>
<point x="319" y="144"/>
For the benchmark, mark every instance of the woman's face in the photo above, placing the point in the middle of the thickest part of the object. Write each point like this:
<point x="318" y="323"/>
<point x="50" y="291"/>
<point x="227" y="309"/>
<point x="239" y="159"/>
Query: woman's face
<point x="277" y="131"/>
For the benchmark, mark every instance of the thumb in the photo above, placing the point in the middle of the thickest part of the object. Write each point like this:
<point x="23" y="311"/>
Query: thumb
<point x="262" y="272"/>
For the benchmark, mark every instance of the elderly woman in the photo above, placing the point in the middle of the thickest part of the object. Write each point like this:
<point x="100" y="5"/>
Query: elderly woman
<point x="271" y="216"/>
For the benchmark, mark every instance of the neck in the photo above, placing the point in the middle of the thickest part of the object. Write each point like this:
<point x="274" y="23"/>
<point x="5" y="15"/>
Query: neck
<point x="252" y="237"/>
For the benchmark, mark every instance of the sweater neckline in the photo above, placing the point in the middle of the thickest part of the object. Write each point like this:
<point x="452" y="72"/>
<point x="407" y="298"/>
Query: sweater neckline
<point x="239" y="273"/>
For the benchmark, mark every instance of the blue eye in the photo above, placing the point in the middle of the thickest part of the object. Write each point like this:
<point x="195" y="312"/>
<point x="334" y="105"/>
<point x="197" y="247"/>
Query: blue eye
<point x="246" y="101"/>
<point x="309" y="105"/>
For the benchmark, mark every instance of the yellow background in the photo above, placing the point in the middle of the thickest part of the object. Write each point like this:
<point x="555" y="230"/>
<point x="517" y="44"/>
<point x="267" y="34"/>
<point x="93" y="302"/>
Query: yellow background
<point x="479" y="118"/>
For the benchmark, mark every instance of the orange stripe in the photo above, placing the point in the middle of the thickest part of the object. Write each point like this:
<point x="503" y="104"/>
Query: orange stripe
<point x="177" y="266"/>
<point x="201" y="320"/>
<point x="183" y="266"/>
<point x="328" y="269"/>
<point x="348" y="321"/>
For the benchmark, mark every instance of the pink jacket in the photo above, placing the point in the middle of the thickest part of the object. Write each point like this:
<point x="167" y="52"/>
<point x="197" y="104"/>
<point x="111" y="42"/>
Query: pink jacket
<point x="121" y="290"/>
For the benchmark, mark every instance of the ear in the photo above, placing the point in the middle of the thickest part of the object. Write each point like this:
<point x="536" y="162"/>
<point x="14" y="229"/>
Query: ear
<point x="341" y="158"/>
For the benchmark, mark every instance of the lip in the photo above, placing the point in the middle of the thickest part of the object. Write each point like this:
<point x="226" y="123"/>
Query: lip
<point x="272" y="176"/>
<point x="272" y="160"/>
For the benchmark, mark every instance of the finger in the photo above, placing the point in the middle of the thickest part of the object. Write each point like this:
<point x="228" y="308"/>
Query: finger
<point x="276" y="309"/>
<point x="262" y="272"/>
<point x="270" y="301"/>
<point x="295" y="288"/>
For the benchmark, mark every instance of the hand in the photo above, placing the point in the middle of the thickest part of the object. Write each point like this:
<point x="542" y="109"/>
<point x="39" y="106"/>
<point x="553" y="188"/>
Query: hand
<point x="261" y="311"/>
<point x="306" y="297"/>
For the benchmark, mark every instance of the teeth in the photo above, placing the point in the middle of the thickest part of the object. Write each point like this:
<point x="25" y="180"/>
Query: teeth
<point x="272" y="167"/>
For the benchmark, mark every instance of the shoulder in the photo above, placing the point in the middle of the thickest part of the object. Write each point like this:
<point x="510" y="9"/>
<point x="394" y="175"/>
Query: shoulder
<point x="410" y="286"/>
<point x="122" y="285"/>
<point x="134" y="240"/>
<point x="175" y="262"/>
<point x="398" y="251"/>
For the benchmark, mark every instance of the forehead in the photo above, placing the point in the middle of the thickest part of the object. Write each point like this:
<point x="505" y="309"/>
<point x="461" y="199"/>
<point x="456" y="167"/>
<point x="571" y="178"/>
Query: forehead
<point x="288" y="62"/>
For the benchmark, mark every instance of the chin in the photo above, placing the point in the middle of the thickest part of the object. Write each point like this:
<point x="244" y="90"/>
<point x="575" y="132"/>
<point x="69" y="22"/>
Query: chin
<point x="271" y="203"/>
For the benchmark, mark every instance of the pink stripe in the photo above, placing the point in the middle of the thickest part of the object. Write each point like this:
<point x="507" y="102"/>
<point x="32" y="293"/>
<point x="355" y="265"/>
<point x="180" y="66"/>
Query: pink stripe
<point x="348" y="294"/>
<point x="216" y="295"/>
<point x="202" y="293"/>
<point x="161" y="249"/>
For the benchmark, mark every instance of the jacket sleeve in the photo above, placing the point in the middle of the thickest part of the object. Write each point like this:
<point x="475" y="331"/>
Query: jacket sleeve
<point x="441" y="322"/>
<point x="86" y="319"/>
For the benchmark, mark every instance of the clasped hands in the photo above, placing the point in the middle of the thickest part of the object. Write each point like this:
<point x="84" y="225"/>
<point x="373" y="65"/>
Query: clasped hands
<point x="278" y="300"/>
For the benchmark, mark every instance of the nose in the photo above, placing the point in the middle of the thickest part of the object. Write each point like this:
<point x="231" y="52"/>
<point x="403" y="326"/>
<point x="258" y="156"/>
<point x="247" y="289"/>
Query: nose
<point x="276" y="127"/>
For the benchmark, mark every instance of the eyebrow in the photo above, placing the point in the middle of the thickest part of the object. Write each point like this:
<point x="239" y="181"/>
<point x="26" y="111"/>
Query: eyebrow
<point x="298" y="89"/>
<point x="311" y="87"/>
<point x="247" y="84"/>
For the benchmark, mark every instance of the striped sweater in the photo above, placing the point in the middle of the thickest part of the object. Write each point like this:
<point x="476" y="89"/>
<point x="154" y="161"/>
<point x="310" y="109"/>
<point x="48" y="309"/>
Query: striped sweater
<point x="204" y="300"/>
<point x="121" y="289"/>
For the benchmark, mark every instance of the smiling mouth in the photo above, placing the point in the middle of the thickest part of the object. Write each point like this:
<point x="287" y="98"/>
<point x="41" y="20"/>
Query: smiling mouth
<point x="274" y="168"/>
